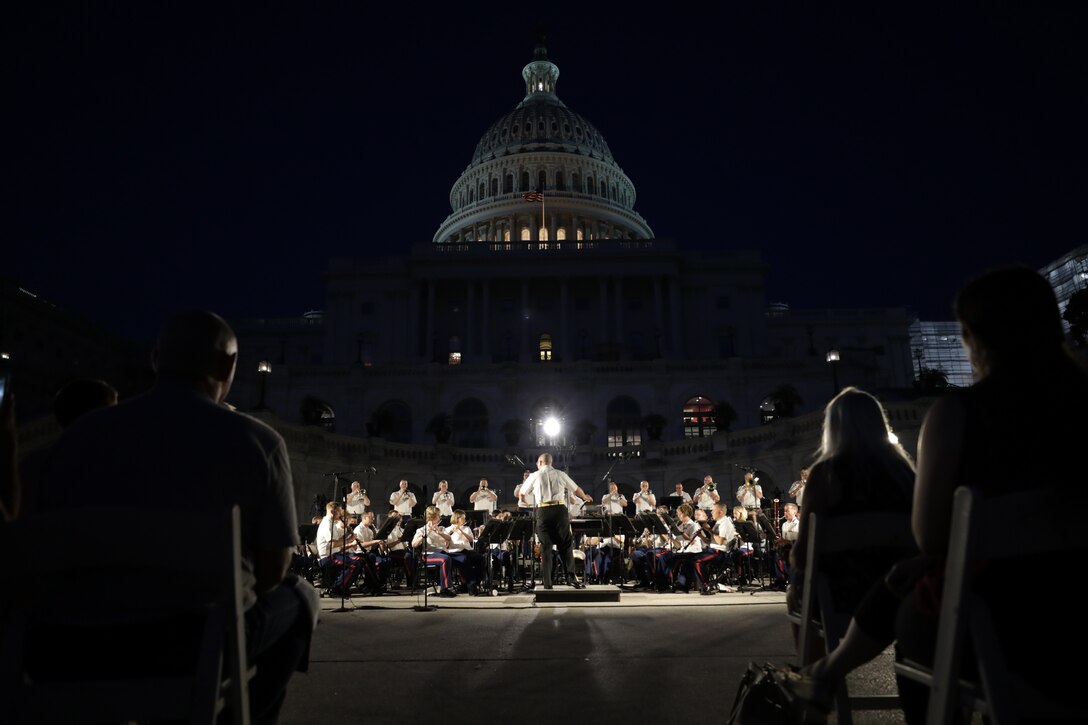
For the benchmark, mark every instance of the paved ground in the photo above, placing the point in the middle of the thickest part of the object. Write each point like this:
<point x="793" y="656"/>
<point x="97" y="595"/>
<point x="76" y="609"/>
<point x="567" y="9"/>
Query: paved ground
<point x="650" y="658"/>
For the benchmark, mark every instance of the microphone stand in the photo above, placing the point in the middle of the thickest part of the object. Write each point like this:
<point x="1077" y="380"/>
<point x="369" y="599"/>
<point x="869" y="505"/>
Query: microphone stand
<point x="425" y="607"/>
<point x="344" y="560"/>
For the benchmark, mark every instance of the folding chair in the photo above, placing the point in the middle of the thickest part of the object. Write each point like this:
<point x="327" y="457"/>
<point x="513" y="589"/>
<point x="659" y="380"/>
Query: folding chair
<point x="980" y="533"/>
<point x="818" y="618"/>
<point x="130" y="575"/>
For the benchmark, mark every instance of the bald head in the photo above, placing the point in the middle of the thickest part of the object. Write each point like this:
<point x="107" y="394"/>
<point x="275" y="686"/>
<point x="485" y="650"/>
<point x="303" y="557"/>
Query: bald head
<point x="197" y="347"/>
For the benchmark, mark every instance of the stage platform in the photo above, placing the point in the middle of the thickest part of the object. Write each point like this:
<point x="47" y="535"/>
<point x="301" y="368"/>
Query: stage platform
<point x="575" y="597"/>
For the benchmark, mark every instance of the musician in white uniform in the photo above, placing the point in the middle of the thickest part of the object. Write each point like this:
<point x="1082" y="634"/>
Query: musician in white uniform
<point x="723" y="537"/>
<point x="645" y="501"/>
<point x="463" y="552"/>
<point x="438" y="541"/>
<point x="443" y="499"/>
<point x="750" y="493"/>
<point x="609" y="548"/>
<point x="707" y="495"/>
<point x="680" y="561"/>
<point x="549" y="487"/>
<point x="403" y="500"/>
<point x="357" y="500"/>
<point x="483" y="498"/>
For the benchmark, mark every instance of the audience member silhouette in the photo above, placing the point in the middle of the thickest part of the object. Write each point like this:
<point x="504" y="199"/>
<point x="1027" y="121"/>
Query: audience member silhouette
<point x="1027" y="401"/>
<point x="180" y="446"/>
<point x="74" y="399"/>
<point x="858" y="469"/>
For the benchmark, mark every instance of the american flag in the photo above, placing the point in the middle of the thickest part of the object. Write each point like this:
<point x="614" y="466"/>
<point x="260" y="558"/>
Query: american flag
<point x="533" y="196"/>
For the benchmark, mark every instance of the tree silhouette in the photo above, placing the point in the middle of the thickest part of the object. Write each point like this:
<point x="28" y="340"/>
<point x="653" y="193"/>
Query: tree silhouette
<point x="932" y="379"/>
<point x="1076" y="314"/>
<point x="786" y="399"/>
<point x="724" y="415"/>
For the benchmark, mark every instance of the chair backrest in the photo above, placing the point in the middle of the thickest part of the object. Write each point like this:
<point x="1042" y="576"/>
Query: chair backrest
<point x="837" y="534"/>
<point x="100" y="574"/>
<point x="980" y="533"/>
<point x="818" y="616"/>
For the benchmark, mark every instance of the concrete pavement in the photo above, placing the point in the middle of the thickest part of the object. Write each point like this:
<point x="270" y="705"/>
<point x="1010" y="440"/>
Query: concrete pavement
<point x="659" y="658"/>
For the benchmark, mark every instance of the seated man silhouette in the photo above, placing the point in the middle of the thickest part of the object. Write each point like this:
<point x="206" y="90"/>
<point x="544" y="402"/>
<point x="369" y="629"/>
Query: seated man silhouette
<point x="180" y="446"/>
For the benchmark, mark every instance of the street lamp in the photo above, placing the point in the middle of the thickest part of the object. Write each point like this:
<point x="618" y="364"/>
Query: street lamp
<point x="833" y="361"/>
<point x="264" y="368"/>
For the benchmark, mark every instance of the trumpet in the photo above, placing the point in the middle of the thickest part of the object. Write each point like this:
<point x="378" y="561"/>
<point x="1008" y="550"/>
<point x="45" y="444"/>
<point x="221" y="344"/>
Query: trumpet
<point x="711" y="486"/>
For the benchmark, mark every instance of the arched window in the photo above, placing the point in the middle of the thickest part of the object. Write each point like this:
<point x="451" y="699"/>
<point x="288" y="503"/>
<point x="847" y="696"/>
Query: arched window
<point x="544" y="409"/>
<point x="393" y="421"/>
<point x="699" y="418"/>
<point x="469" y="422"/>
<point x="542" y="179"/>
<point x="508" y="184"/>
<point x="524" y="181"/>
<point x="560" y="234"/>
<point x="525" y="234"/>
<point x="317" y="412"/>
<point x="766" y="410"/>
<point x="624" y="422"/>
<point x="545" y="347"/>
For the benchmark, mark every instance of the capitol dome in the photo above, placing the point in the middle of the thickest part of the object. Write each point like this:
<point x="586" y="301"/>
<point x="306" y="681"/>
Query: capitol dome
<point x="542" y="146"/>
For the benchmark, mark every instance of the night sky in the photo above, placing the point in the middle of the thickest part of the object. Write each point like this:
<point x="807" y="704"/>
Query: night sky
<point x="876" y="156"/>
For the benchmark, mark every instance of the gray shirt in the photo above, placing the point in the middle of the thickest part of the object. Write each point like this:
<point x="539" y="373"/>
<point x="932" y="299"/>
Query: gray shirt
<point x="174" y="448"/>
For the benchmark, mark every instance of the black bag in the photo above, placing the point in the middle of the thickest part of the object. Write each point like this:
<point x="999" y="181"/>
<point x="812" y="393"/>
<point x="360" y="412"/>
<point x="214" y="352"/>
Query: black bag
<point x="760" y="700"/>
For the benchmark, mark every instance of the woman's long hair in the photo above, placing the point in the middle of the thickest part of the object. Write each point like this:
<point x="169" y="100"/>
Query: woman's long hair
<point x="856" y="435"/>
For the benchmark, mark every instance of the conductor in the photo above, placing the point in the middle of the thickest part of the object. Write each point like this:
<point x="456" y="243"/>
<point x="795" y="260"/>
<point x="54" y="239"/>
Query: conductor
<point x="550" y="488"/>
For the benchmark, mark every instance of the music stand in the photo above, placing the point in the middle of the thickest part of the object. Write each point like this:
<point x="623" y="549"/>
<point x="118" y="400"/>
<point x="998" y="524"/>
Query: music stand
<point x="386" y="528"/>
<point x="621" y="524"/>
<point x="521" y="529"/>
<point x="408" y="527"/>
<point x="593" y="509"/>
<point x="495" y="532"/>
<point x="672" y="501"/>
<point x="413" y="525"/>
<point x="476" y="518"/>
<point x="654" y="523"/>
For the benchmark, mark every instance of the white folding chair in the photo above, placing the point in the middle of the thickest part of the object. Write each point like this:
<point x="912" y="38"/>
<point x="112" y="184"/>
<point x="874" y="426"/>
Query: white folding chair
<point x="980" y="533"/>
<point x="818" y="619"/>
<point x="121" y="568"/>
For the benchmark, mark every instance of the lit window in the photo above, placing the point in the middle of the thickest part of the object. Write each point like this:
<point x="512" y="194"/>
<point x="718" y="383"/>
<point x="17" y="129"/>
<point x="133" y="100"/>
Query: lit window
<point x="545" y="348"/>
<point x="699" y="418"/>
<point x="455" y="358"/>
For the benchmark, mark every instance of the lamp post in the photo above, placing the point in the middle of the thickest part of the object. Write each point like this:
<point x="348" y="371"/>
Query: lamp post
<point x="264" y="368"/>
<point x="833" y="361"/>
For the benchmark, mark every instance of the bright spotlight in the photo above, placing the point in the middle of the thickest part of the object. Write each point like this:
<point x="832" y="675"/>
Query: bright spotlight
<point x="551" y="427"/>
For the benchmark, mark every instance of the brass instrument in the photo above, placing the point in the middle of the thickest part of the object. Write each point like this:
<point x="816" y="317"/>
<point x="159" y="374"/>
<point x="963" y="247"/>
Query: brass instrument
<point x="711" y="486"/>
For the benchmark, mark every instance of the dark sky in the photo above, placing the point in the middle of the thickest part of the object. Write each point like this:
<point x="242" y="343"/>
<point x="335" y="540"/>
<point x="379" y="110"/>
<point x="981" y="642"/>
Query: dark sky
<point x="876" y="156"/>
